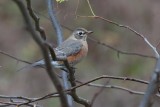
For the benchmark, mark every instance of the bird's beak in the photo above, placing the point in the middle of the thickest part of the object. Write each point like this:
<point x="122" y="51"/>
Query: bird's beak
<point x="89" y="32"/>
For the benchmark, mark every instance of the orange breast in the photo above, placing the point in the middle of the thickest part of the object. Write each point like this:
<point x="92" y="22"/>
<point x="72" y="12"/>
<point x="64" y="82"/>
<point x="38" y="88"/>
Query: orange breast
<point x="74" y="59"/>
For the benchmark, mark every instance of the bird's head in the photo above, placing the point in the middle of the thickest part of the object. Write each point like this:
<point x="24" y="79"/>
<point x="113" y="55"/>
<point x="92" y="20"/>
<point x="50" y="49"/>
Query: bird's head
<point x="81" y="33"/>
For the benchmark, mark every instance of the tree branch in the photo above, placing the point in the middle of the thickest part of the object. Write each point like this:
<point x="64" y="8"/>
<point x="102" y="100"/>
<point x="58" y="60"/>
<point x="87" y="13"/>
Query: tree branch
<point x="98" y="93"/>
<point x="153" y="86"/>
<point x="36" y="20"/>
<point x="129" y="28"/>
<point x="41" y="44"/>
<point x="59" y="35"/>
<point x="120" y="51"/>
<point x="13" y="57"/>
<point x="73" y="93"/>
<point x="123" y="26"/>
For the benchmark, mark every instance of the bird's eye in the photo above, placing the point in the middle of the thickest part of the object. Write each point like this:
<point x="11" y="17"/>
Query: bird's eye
<point x="80" y="33"/>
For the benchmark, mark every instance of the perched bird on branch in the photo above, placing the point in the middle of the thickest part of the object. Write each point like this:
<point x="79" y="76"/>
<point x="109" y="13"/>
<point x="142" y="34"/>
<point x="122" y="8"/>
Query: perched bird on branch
<point x="74" y="49"/>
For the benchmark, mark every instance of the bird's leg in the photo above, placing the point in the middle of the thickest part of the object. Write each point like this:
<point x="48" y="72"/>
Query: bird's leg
<point x="72" y="72"/>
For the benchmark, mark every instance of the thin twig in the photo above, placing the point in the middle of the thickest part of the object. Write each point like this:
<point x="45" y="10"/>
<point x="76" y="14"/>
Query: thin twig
<point x="158" y="44"/>
<point x="77" y="7"/>
<point x="98" y="93"/>
<point x="119" y="78"/>
<point x="123" y="26"/>
<point x="120" y="51"/>
<point x="129" y="28"/>
<point x="117" y="87"/>
<point x="36" y="20"/>
<point x="91" y="8"/>
<point x="51" y="95"/>
<point x="11" y="56"/>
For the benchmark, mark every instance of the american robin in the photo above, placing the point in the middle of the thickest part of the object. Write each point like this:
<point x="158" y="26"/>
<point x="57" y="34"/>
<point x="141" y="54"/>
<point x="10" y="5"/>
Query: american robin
<point x="75" y="48"/>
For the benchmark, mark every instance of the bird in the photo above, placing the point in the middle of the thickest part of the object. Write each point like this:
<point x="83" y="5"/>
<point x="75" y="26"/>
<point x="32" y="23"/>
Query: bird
<point x="74" y="48"/>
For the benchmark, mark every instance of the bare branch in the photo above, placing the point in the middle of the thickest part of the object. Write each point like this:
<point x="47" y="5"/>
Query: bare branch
<point x="123" y="26"/>
<point x="11" y="56"/>
<point x="120" y="51"/>
<point x="44" y="50"/>
<point x="59" y="35"/>
<point x="77" y="7"/>
<point x="40" y="98"/>
<point x="158" y="44"/>
<point x="36" y="20"/>
<point x="118" y="78"/>
<point x="117" y="87"/>
<point x="88" y="83"/>
<point x="73" y="93"/>
<point x="91" y="8"/>
<point x="129" y="28"/>
<point x="54" y="21"/>
<point x="98" y="93"/>
<point x="153" y="86"/>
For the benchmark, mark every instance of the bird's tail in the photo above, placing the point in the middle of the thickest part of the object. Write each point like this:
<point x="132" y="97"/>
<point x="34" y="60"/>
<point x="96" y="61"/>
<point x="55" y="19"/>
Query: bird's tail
<point x="41" y="64"/>
<point x="38" y="64"/>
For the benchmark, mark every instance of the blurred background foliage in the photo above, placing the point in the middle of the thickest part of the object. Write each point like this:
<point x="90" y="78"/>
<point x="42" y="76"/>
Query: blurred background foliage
<point x="143" y="16"/>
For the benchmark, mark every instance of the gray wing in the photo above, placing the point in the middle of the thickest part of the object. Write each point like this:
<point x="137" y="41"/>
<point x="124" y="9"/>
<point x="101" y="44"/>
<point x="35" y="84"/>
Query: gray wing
<point x="69" y="47"/>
